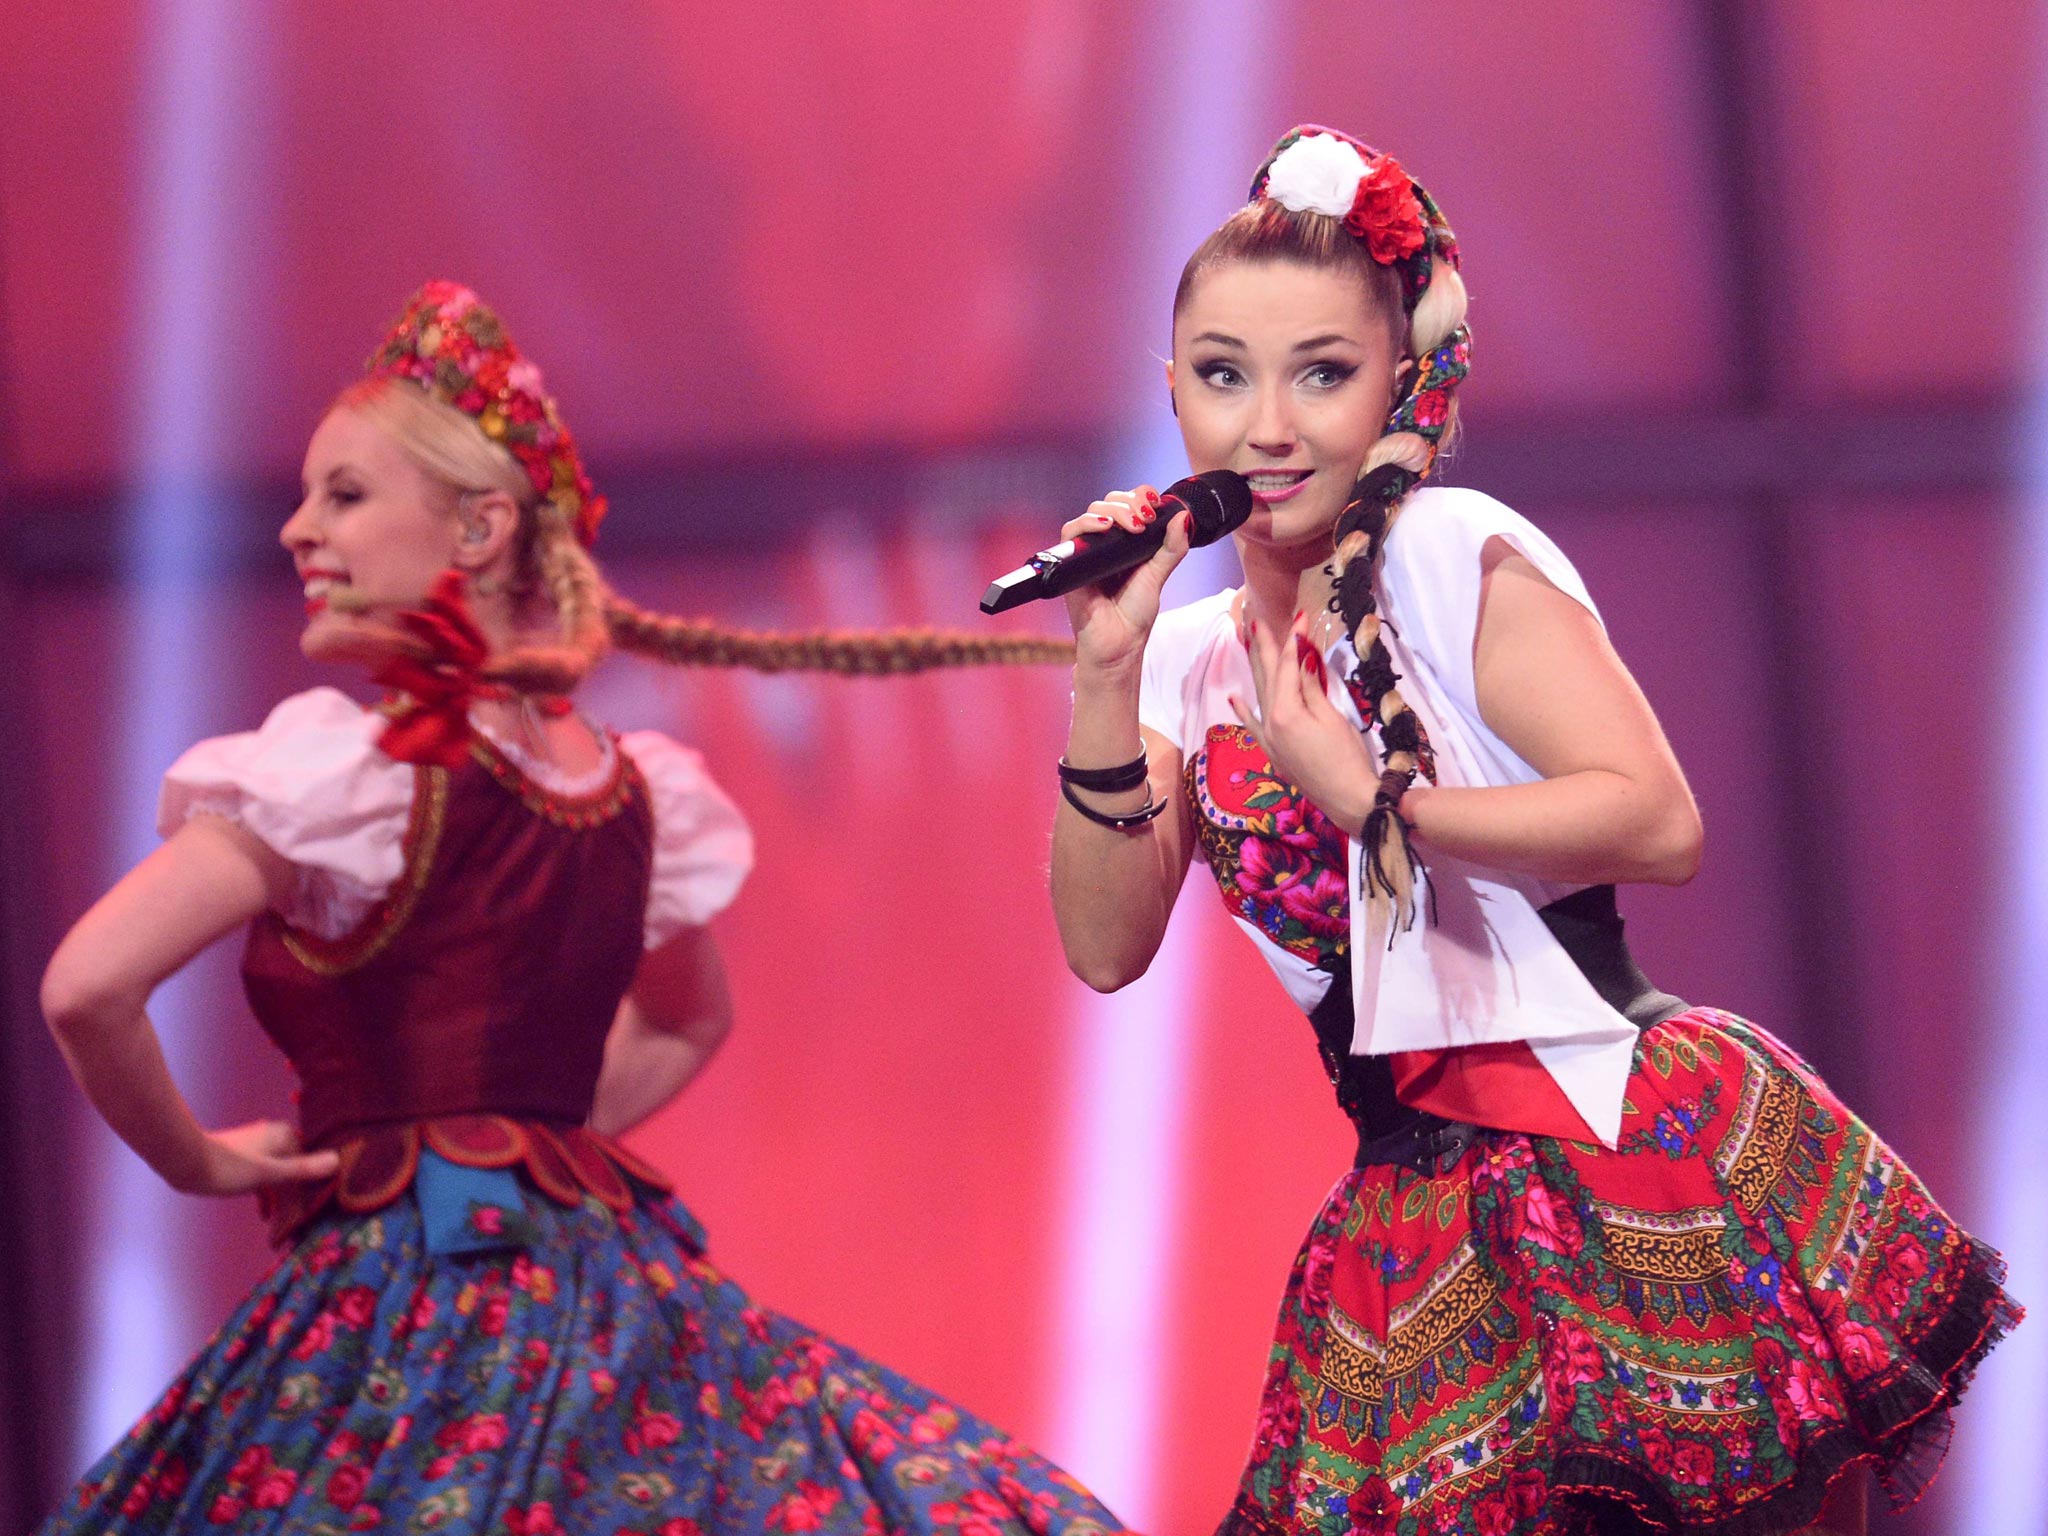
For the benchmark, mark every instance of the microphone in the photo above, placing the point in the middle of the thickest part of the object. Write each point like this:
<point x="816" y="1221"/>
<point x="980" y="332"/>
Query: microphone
<point x="1220" y="500"/>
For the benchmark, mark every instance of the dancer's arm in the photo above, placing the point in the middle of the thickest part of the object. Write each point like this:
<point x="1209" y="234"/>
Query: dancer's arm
<point x="207" y="880"/>
<point x="673" y="1019"/>
<point x="1113" y="890"/>
<point x="1613" y="804"/>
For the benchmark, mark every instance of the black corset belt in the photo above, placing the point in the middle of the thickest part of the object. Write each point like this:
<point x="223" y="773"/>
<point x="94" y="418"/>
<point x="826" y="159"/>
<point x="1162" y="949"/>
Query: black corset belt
<point x="1588" y="925"/>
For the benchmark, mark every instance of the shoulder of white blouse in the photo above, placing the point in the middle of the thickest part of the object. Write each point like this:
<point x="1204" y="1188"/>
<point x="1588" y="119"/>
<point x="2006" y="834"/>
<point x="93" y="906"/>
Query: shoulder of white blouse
<point x="310" y="738"/>
<point x="703" y="848"/>
<point x="312" y="784"/>
<point x="1450" y="516"/>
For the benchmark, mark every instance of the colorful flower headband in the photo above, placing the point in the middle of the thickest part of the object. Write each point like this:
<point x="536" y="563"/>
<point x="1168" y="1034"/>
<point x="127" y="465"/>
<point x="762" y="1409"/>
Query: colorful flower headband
<point x="1319" y="170"/>
<point x="453" y="343"/>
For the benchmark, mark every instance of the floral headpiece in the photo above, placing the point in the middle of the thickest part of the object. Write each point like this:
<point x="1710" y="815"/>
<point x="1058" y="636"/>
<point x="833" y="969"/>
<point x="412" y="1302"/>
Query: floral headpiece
<point x="453" y="343"/>
<point x="1319" y="170"/>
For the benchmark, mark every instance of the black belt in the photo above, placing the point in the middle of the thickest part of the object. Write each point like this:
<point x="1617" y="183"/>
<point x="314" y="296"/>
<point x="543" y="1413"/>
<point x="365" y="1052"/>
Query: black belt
<point x="1588" y="925"/>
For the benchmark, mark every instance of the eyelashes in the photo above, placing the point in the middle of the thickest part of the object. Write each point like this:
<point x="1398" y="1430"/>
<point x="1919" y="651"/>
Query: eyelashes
<point x="1323" y="376"/>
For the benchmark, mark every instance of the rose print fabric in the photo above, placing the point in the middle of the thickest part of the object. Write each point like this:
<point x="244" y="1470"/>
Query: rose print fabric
<point x="1697" y="1330"/>
<point x="1693" y="1332"/>
<point x="607" y="1380"/>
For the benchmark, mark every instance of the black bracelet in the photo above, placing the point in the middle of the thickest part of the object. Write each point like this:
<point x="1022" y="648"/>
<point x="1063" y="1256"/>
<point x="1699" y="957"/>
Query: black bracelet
<point x="1122" y="823"/>
<point x="1106" y="781"/>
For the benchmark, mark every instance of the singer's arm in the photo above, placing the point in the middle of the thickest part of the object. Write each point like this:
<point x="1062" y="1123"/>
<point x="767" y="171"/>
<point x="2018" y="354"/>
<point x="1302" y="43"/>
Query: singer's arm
<point x="1113" y="890"/>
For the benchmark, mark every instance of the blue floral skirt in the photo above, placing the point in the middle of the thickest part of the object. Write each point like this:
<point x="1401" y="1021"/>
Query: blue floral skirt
<point x="607" y="1380"/>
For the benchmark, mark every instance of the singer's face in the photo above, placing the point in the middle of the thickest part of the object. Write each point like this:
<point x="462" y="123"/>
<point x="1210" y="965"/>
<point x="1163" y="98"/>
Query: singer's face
<point x="1283" y="372"/>
<point x="369" y="520"/>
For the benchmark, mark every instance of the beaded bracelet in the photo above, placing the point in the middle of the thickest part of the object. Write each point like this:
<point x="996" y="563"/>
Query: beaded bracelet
<point x="1121" y="823"/>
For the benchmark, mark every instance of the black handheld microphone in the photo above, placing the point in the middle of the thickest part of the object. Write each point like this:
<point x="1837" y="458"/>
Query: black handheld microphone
<point x="1220" y="500"/>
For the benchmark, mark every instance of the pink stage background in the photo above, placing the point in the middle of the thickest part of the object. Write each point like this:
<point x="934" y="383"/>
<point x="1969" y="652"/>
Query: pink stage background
<point x="852" y="304"/>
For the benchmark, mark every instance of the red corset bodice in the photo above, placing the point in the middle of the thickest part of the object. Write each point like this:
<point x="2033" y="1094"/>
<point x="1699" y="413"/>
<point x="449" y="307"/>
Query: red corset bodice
<point x="486" y="980"/>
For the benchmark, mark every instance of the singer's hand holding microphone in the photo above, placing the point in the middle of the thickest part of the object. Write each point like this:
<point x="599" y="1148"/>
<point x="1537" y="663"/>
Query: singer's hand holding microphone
<point x="1142" y="532"/>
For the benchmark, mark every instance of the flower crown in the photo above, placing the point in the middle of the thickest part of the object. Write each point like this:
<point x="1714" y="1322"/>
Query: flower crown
<point x="1319" y="170"/>
<point x="452" y="343"/>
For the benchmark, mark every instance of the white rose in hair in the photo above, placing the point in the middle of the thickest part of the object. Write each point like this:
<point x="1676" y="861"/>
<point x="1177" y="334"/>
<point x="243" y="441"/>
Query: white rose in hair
<point x="1316" y="174"/>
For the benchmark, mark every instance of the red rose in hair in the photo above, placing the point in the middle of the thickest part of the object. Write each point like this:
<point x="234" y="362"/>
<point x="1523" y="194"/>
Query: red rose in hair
<point x="1384" y="213"/>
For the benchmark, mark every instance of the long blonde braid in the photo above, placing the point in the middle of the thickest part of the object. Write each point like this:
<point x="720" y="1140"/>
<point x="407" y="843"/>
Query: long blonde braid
<point x="594" y="619"/>
<point x="470" y="409"/>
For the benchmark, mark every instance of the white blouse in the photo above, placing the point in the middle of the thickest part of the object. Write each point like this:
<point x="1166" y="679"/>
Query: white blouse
<point x="1487" y="970"/>
<point x="312" y="784"/>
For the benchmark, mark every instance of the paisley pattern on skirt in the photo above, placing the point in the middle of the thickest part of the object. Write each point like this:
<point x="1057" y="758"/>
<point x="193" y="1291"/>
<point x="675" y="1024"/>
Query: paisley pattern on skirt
<point x="606" y="1381"/>
<point x="1699" y="1329"/>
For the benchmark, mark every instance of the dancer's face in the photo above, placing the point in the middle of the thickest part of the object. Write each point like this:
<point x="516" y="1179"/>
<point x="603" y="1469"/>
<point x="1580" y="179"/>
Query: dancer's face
<point x="1283" y="372"/>
<point x="370" y="520"/>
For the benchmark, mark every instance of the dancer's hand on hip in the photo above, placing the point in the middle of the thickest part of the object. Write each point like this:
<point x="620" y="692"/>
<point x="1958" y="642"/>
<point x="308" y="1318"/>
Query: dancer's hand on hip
<point x="245" y="1158"/>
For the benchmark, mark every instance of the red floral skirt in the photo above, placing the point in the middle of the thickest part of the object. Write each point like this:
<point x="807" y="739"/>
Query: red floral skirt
<point x="1695" y="1332"/>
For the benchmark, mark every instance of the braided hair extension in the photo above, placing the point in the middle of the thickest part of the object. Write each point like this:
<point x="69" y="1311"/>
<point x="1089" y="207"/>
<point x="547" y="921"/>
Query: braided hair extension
<point x="1395" y="223"/>
<point x="471" y="410"/>
<point x="594" y="619"/>
<point x="1390" y="864"/>
<point x="590" y="619"/>
<point x="853" y="653"/>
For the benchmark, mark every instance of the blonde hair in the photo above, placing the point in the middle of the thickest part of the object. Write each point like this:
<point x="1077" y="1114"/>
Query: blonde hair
<point x="451" y="448"/>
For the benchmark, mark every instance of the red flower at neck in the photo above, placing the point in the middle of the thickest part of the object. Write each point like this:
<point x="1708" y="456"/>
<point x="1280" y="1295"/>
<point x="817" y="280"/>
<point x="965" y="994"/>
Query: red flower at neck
<point x="437" y="677"/>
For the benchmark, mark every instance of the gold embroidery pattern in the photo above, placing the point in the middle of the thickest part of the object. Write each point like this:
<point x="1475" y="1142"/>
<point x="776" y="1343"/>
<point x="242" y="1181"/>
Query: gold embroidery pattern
<point x="1354" y="1365"/>
<point x="1767" y="1148"/>
<point x="577" y="812"/>
<point x="336" y="957"/>
<point x="1683" y="1248"/>
<point x="1349" y="1366"/>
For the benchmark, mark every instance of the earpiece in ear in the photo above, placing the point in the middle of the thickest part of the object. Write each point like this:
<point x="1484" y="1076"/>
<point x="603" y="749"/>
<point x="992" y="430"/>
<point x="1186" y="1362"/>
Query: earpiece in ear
<point x="475" y="532"/>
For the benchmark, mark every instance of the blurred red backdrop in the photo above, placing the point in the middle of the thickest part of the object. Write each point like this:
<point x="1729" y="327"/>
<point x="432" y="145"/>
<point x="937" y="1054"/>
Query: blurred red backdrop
<point x="849" y="303"/>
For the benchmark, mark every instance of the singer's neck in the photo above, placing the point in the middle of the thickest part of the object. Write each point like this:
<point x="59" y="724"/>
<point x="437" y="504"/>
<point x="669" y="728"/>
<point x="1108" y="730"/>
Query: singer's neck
<point x="1279" y="583"/>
